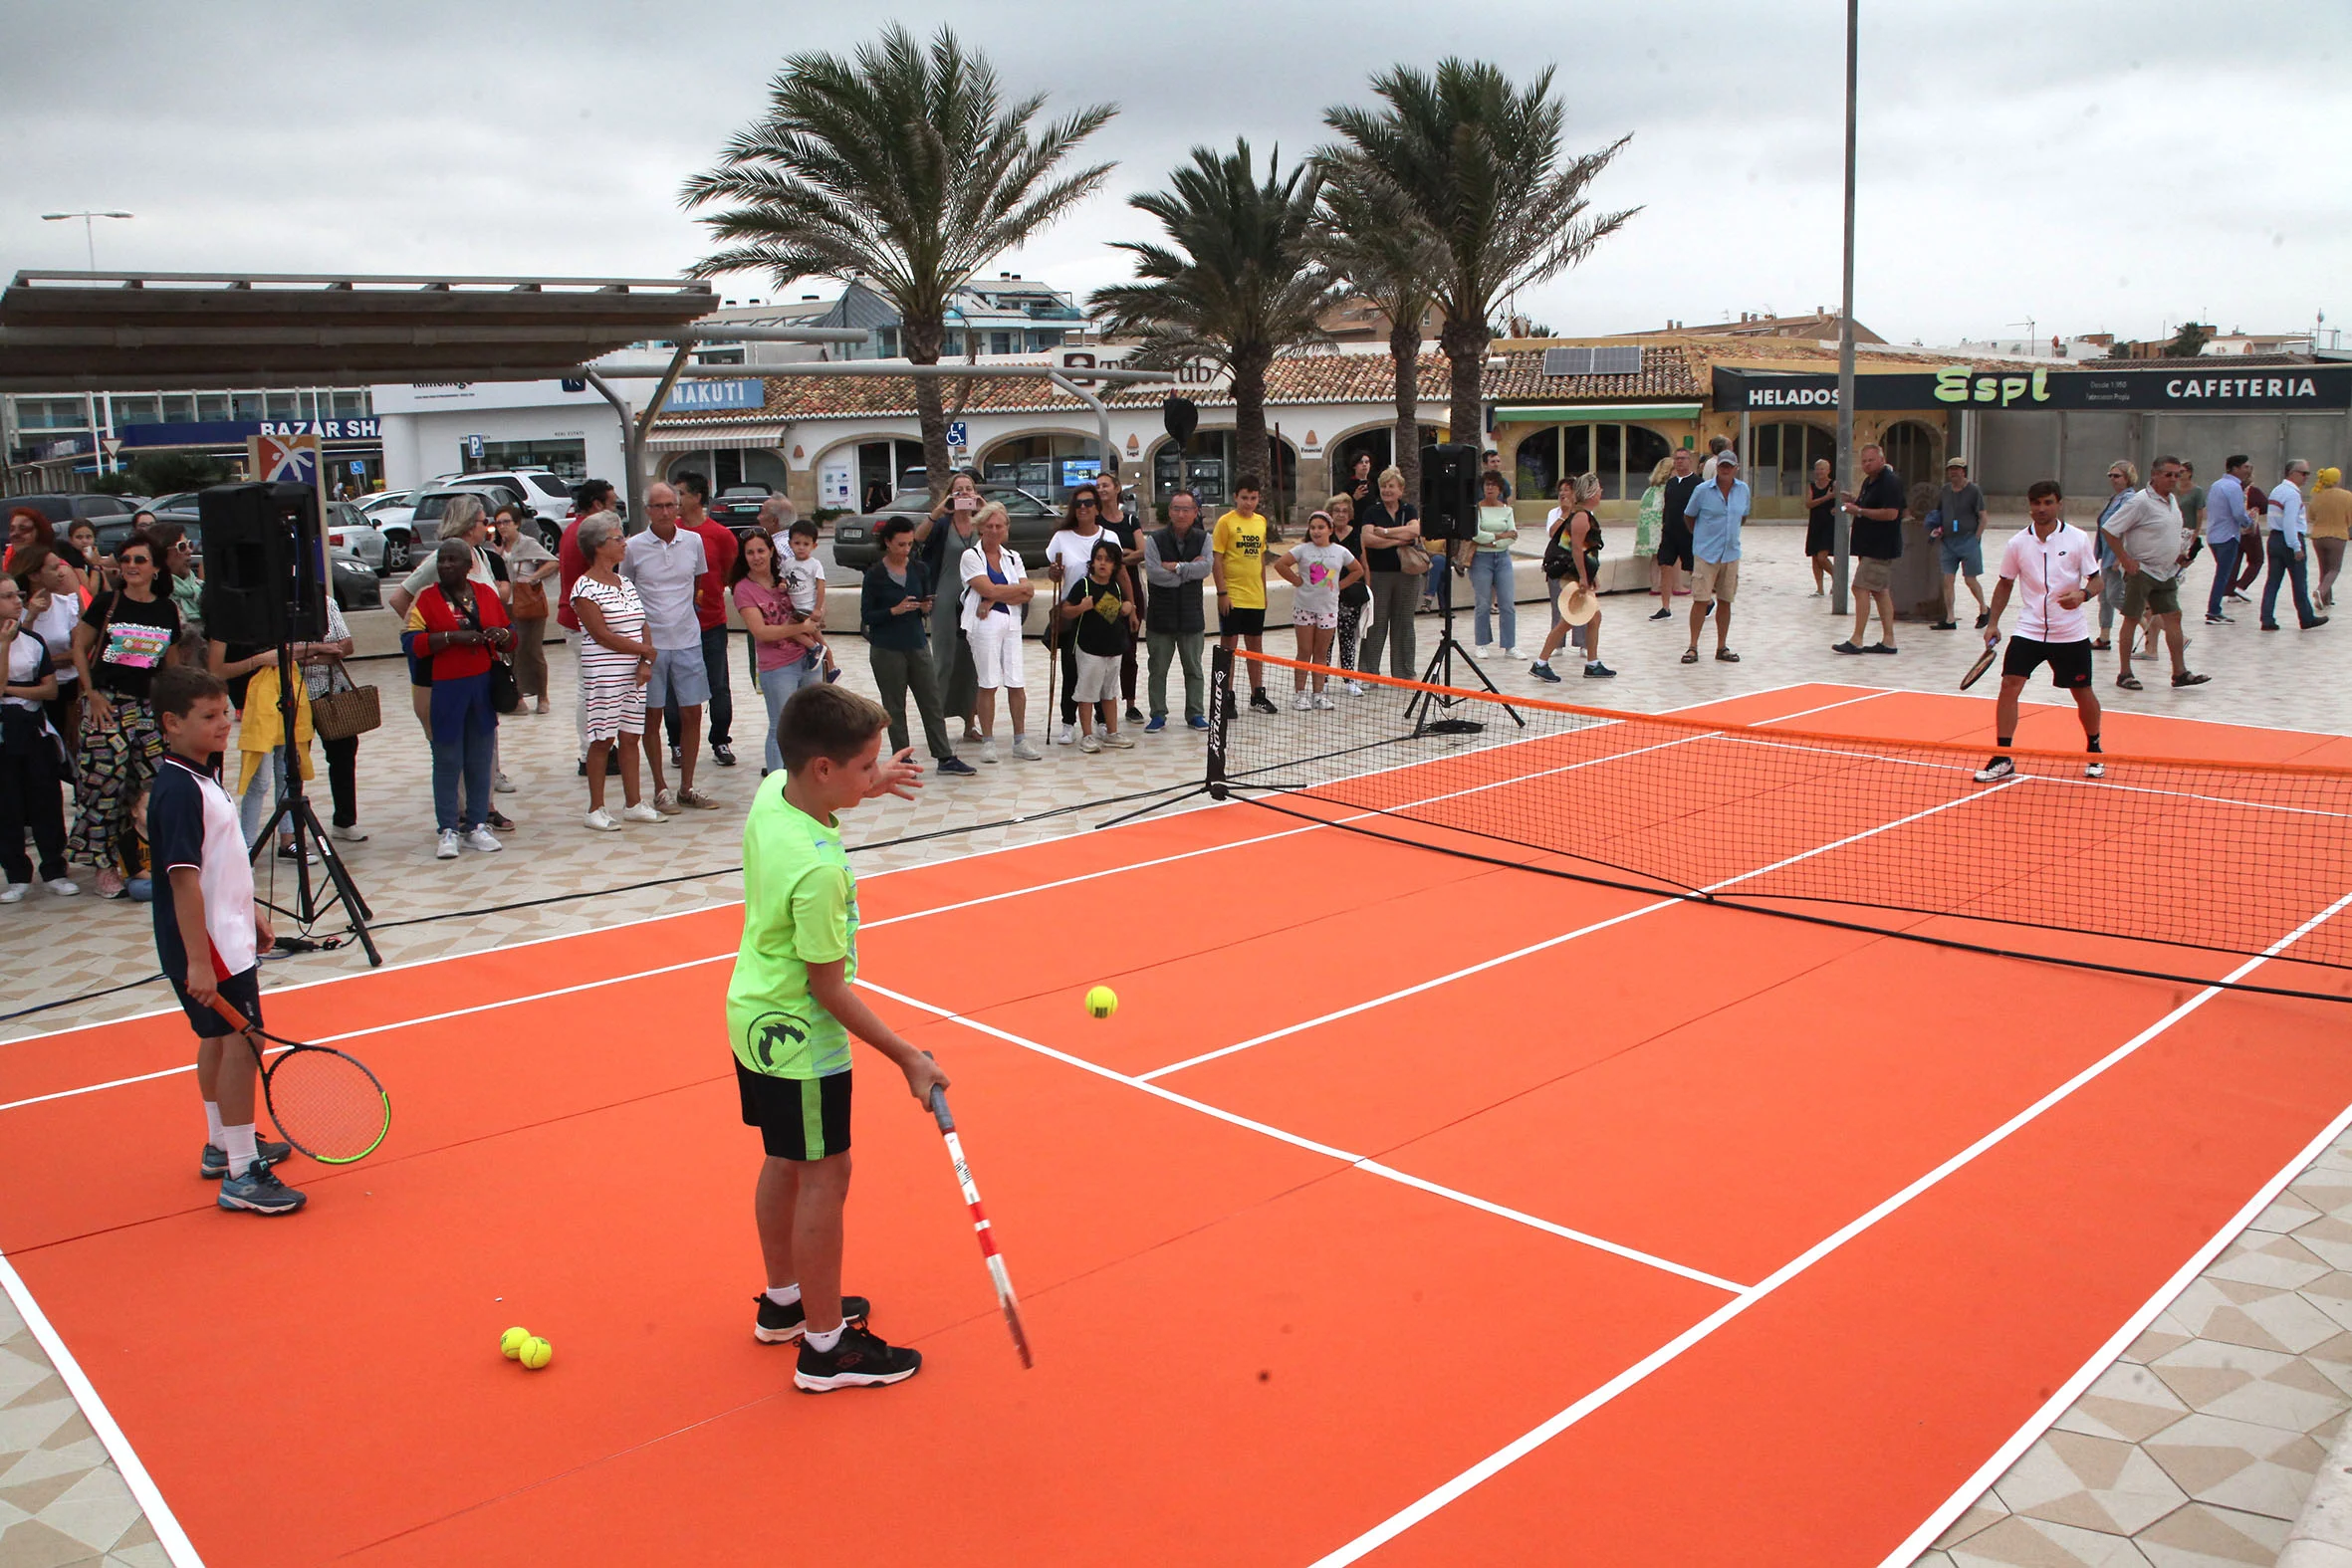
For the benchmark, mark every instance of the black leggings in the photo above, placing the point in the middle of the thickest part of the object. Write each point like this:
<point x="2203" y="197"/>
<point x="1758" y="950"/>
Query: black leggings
<point x="1351" y="624"/>
<point x="30" y="801"/>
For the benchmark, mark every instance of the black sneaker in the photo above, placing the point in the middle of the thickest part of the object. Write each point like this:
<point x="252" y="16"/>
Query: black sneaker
<point x="780" y="1325"/>
<point x="1943" y="625"/>
<point x="1984" y="620"/>
<point x="259" y="1192"/>
<point x="723" y="753"/>
<point x="213" y="1164"/>
<point x="1261" y="703"/>
<point x="1134" y="713"/>
<point x="1663" y="613"/>
<point x="955" y="767"/>
<point x="1996" y="770"/>
<point x="860" y="1359"/>
<point x="1598" y="671"/>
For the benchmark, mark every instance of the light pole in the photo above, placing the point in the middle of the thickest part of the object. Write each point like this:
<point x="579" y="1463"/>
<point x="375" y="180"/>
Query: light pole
<point x="89" y="239"/>
<point x="1842" y="528"/>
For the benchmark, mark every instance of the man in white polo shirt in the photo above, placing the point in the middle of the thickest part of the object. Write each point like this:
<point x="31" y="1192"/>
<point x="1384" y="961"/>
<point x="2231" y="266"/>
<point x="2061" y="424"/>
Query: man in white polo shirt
<point x="2150" y="546"/>
<point x="2054" y="570"/>
<point x="663" y="564"/>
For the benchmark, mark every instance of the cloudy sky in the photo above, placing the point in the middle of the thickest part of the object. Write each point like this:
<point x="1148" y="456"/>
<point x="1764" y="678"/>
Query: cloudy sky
<point x="2089" y="165"/>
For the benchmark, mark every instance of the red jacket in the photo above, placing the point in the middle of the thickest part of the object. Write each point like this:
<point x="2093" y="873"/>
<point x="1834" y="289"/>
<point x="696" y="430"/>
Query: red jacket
<point x="432" y="613"/>
<point x="710" y="589"/>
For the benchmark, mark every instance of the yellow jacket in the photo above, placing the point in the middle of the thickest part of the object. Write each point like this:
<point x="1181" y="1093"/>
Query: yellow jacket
<point x="259" y="734"/>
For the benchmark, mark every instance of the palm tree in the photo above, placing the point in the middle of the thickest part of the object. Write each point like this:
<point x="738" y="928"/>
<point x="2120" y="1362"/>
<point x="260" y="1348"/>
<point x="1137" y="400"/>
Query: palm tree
<point x="1394" y="266"/>
<point x="1235" y="285"/>
<point x="1481" y="173"/>
<point x="904" y="170"/>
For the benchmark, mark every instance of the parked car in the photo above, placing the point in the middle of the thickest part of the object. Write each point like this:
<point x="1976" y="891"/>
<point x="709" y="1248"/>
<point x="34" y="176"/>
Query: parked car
<point x="547" y="496"/>
<point x="1034" y="523"/>
<point x="348" y="527"/>
<point x="357" y="586"/>
<point x="387" y="507"/>
<point x="63" y="507"/>
<point x="737" y="505"/>
<point x="425" y="525"/>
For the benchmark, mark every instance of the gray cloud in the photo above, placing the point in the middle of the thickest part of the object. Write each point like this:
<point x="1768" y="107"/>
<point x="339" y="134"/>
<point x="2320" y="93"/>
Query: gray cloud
<point x="2092" y="166"/>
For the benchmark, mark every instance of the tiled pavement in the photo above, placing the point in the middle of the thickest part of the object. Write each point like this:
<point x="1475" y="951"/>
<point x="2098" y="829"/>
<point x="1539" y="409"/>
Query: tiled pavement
<point x="2194" y="1449"/>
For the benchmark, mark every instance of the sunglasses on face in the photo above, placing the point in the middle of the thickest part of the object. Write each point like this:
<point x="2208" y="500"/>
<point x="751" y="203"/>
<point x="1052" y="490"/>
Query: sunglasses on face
<point x="1090" y="503"/>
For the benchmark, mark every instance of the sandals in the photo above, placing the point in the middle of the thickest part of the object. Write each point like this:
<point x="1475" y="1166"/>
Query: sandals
<point x="2189" y="678"/>
<point x="1690" y="656"/>
<point x="2128" y="681"/>
<point x="1726" y="656"/>
<point x="2101" y="646"/>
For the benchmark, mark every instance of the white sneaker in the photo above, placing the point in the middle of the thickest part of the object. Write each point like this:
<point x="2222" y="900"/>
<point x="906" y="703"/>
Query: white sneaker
<point x="1087" y="743"/>
<point x="1321" y="701"/>
<point x="65" y="887"/>
<point x="642" y="813"/>
<point x="15" y="892"/>
<point x="447" y="848"/>
<point x="354" y="834"/>
<point x="1353" y="688"/>
<point x="1484" y="650"/>
<point x="1117" y="739"/>
<point x="1022" y="751"/>
<point x="1510" y="654"/>
<point x="600" y="821"/>
<point x="1068" y="735"/>
<point x="1301" y="701"/>
<point x="502" y="783"/>
<point x="988" y="751"/>
<point x="484" y="840"/>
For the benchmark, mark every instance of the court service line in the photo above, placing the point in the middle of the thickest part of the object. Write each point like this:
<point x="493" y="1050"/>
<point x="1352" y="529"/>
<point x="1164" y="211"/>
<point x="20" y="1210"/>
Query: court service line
<point x="169" y="1533"/>
<point x="1553" y="942"/>
<point x="2057" y="1405"/>
<point x="1528" y="1443"/>
<point x="1364" y="1163"/>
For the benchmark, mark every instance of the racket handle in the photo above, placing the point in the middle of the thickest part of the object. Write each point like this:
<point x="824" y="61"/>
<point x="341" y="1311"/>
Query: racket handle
<point x="228" y="1010"/>
<point x="939" y="1113"/>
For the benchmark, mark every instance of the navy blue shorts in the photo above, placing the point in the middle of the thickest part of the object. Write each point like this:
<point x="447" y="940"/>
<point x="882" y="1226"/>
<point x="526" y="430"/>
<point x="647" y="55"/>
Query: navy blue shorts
<point x="242" y="991"/>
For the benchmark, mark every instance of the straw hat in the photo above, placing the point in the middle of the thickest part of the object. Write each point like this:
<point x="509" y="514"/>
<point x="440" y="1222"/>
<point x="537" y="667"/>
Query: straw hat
<point x="1578" y="604"/>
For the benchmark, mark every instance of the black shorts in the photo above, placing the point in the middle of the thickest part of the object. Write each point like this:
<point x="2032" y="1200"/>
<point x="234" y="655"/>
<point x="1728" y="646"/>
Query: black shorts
<point x="798" y="1118"/>
<point x="242" y="991"/>
<point x="2070" y="662"/>
<point x="1674" y="547"/>
<point x="1233" y="622"/>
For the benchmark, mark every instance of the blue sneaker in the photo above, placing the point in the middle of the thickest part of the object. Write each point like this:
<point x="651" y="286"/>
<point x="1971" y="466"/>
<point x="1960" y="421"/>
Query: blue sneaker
<point x="213" y="1164"/>
<point x="259" y="1192"/>
<point x="1197" y="722"/>
<point x="1159" y="721"/>
<point x="955" y="767"/>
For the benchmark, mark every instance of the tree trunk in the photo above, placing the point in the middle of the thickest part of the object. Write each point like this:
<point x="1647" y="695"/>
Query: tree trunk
<point x="923" y="337"/>
<point x="1404" y="349"/>
<point x="1252" y="450"/>
<point x="1464" y="340"/>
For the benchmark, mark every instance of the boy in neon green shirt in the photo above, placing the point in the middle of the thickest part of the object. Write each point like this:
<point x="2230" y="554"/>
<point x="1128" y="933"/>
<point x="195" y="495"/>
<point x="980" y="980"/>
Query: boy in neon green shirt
<point x="1239" y="558"/>
<point x="789" y="1015"/>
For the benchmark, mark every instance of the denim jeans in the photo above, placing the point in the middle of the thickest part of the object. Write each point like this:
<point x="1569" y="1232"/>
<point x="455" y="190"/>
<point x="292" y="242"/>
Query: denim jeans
<point x="776" y="686"/>
<point x="2285" y="565"/>
<point x="1490" y="585"/>
<point x="465" y="758"/>
<point x="1166" y="647"/>
<point x="2224" y="551"/>
<point x="264" y="789"/>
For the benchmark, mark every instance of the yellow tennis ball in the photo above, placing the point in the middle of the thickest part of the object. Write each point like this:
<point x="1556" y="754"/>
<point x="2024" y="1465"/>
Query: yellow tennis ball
<point x="510" y="1343"/>
<point x="1102" y="1002"/>
<point x="536" y="1353"/>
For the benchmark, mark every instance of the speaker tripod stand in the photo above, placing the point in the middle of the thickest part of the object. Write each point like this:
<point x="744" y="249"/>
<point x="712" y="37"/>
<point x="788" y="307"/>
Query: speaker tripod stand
<point x="1432" y="709"/>
<point x="293" y="817"/>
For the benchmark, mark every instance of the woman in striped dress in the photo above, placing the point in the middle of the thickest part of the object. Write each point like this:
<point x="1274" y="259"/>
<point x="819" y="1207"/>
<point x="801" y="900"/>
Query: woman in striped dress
<point x="616" y="661"/>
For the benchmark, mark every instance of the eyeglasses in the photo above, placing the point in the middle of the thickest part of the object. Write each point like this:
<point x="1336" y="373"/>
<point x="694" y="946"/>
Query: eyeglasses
<point x="1088" y="502"/>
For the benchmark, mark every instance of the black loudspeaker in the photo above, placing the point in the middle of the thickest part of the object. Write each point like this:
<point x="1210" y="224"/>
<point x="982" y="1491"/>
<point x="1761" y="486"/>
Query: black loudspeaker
<point x="1449" y="491"/>
<point x="265" y="565"/>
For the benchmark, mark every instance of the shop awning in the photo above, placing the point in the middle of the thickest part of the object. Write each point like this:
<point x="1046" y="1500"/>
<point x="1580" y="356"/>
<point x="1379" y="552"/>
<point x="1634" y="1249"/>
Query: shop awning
<point x="1593" y="413"/>
<point x="691" y="437"/>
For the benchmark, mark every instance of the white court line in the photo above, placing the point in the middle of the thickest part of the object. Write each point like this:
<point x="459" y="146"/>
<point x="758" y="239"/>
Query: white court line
<point x="1511" y="1453"/>
<point x="1826" y="707"/>
<point x="1360" y="1162"/>
<point x="2058" y="1403"/>
<point x="1553" y="942"/>
<point x="169" y="1534"/>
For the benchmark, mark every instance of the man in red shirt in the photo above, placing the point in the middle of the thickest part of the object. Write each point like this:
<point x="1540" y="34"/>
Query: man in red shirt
<point x="710" y="608"/>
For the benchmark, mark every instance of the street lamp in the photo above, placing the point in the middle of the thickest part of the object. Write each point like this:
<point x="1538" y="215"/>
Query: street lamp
<point x="88" y="239"/>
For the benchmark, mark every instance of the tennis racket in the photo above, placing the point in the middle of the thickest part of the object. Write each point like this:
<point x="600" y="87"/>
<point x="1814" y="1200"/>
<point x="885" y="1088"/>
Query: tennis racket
<point x="324" y="1102"/>
<point x="988" y="1241"/>
<point x="1984" y="662"/>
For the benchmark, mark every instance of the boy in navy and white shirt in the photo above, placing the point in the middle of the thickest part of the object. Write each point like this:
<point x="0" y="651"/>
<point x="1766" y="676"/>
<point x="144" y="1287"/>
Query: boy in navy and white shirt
<point x="210" y="933"/>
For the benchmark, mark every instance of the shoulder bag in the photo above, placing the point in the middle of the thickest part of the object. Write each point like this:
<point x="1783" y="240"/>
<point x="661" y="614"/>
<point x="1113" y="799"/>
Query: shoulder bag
<point x="506" y="694"/>
<point x="346" y="711"/>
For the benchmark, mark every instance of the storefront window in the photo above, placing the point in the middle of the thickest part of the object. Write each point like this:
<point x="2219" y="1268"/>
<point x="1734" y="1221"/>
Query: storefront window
<point x="1783" y="457"/>
<point x="569" y="459"/>
<point x="1206" y="465"/>
<point x="1049" y="467"/>
<point x="1621" y="455"/>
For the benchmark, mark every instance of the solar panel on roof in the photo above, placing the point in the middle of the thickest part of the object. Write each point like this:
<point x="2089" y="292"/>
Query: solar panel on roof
<point x="1567" y="362"/>
<point x="1618" y="360"/>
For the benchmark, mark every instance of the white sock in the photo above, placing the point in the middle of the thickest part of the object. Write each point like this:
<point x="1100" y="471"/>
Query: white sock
<point x="212" y="1123"/>
<point x="237" y="1143"/>
<point x="824" y="1343"/>
<point x="1020" y="736"/>
<point x="784" y="1295"/>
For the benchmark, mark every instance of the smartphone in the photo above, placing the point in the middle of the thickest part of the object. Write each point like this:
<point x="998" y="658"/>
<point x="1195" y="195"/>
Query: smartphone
<point x="967" y="502"/>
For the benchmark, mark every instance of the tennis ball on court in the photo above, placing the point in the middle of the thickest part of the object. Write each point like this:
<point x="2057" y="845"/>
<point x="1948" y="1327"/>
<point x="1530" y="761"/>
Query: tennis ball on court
<point x="536" y="1353"/>
<point x="1102" y="1002"/>
<point x="510" y="1343"/>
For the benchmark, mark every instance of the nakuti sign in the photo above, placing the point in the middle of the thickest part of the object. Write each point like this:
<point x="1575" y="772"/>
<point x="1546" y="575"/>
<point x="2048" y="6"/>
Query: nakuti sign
<point x="2283" y="387"/>
<point x="696" y="396"/>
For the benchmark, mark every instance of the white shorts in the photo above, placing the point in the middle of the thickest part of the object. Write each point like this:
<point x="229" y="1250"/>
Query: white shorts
<point x="1098" y="678"/>
<point x="995" y="652"/>
<point x="1326" y="620"/>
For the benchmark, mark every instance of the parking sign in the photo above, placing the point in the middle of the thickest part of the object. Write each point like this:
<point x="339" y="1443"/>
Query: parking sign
<point x="958" y="437"/>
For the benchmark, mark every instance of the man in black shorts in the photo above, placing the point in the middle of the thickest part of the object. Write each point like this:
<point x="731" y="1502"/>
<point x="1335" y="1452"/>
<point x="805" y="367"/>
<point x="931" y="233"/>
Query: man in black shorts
<point x="1674" y="529"/>
<point x="2053" y="568"/>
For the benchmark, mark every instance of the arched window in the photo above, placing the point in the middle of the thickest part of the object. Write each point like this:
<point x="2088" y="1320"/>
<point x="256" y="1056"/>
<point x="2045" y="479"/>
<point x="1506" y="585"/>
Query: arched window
<point x="1914" y="451"/>
<point x="1622" y="455"/>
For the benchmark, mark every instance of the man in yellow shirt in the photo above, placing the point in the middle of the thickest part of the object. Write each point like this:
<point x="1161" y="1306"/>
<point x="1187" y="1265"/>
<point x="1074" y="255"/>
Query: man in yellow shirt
<point x="1238" y="561"/>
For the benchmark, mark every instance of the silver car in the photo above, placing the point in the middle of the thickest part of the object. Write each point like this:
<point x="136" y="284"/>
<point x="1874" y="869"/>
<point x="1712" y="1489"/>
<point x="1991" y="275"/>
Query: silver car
<point x="348" y="527"/>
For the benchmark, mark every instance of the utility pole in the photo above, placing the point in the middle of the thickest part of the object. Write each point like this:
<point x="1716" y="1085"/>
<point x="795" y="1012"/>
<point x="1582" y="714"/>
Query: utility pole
<point x="1842" y="527"/>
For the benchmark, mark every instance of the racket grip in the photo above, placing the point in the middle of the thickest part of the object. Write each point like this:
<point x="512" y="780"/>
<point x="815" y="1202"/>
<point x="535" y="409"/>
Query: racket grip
<point x="228" y="1010"/>
<point x="947" y="1123"/>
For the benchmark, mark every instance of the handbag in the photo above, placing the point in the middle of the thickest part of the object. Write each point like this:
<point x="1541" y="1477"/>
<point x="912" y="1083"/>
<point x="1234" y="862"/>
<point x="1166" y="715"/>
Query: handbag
<point x="1558" y="559"/>
<point x="353" y="710"/>
<point x="530" y="601"/>
<point x="1412" y="559"/>
<point x="505" y="693"/>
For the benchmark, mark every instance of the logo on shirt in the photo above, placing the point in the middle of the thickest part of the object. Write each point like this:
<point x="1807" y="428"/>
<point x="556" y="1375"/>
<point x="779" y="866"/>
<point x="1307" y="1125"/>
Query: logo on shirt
<point x="136" y="645"/>
<point x="773" y="1034"/>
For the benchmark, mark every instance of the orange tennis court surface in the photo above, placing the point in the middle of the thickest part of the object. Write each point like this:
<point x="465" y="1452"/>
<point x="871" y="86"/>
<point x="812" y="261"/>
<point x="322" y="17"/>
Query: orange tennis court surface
<point x="1410" y="1211"/>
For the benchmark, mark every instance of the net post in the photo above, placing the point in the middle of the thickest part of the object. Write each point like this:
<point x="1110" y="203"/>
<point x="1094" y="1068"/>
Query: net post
<point x="1220" y="717"/>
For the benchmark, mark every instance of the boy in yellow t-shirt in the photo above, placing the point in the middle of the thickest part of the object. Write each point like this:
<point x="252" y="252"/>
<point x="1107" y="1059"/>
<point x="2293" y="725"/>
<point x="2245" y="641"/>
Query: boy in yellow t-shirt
<point x="1239" y="561"/>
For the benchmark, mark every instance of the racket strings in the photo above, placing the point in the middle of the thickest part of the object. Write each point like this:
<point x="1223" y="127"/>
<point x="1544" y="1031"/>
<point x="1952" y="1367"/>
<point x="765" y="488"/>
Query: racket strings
<point x="326" y="1104"/>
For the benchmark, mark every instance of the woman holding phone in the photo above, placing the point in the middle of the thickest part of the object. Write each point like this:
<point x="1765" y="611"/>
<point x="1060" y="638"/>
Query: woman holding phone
<point x="941" y="539"/>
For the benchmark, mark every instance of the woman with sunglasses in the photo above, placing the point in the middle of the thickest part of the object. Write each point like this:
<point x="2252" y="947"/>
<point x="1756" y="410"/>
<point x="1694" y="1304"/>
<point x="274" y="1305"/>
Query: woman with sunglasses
<point x="1069" y="554"/>
<point x="123" y="640"/>
<point x="175" y="559"/>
